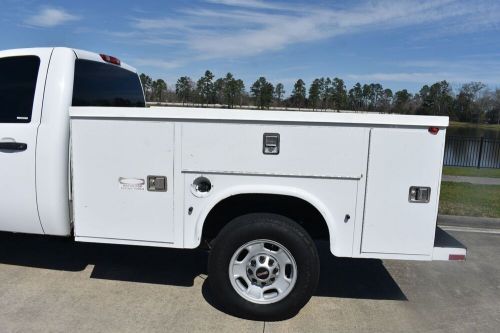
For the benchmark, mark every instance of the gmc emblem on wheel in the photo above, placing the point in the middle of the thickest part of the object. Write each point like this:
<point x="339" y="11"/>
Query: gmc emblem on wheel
<point x="262" y="273"/>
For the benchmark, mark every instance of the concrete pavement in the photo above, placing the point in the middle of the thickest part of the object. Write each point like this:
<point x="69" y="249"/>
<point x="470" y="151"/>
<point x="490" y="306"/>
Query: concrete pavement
<point x="52" y="284"/>
<point x="469" y="221"/>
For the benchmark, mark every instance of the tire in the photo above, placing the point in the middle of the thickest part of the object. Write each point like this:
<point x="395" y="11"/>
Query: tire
<point x="263" y="252"/>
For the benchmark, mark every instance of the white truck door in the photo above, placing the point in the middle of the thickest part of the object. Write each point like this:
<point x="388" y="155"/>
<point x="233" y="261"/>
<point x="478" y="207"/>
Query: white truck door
<point x="395" y="221"/>
<point x="22" y="80"/>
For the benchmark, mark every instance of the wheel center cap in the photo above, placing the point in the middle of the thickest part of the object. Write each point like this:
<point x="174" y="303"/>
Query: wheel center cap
<point x="262" y="269"/>
<point x="262" y="273"/>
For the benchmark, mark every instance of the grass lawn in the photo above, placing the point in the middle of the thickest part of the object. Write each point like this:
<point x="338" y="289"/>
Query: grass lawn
<point x="471" y="172"/>
<point x="469" y="199"/>
<point x="482" y="126"/>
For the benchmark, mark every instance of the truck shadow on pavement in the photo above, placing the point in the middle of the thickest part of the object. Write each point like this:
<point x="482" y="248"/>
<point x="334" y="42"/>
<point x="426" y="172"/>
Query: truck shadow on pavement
<point x="340" y="277"/>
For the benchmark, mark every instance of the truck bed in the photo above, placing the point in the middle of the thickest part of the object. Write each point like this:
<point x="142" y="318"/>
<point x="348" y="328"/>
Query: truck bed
<point x="259" y="116"/>
<point x="357" y="170"/>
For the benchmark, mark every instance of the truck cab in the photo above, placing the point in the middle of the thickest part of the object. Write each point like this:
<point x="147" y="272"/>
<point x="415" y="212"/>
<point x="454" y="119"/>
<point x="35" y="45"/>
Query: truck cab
<point x="37" y="88"/>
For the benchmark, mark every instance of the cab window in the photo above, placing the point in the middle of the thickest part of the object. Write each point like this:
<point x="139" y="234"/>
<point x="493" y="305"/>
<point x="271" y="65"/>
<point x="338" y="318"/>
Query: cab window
<point x="101" y="84"/>
<point x="18" y="76"/>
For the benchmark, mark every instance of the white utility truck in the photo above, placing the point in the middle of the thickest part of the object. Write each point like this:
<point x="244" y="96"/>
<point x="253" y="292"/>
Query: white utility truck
<point x="81" y="156"/>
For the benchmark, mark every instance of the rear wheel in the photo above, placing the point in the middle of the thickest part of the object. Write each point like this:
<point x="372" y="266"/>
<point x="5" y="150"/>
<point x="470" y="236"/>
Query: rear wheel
<point x="263" y="266"/>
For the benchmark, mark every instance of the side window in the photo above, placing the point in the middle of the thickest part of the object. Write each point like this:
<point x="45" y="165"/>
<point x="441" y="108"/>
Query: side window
<point x="100" y="84"/>
<point x="18" y="77"/>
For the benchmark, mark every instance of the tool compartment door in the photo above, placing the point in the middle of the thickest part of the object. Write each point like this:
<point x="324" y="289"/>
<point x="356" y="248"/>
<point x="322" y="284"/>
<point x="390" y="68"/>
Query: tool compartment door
<point x="112" y="160"/>
<point x="398" y="160"/>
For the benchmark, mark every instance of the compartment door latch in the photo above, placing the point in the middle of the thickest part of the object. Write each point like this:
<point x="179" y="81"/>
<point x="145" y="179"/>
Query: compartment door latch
<point x="271" y="144"/>
<point x="420" y="194"/>
<point x="157" y="183"/>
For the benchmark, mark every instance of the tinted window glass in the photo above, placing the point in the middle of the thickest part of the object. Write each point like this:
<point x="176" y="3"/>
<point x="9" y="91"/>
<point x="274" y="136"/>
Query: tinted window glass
<point x="100" y="84"/>
<point x="17" y="88"/>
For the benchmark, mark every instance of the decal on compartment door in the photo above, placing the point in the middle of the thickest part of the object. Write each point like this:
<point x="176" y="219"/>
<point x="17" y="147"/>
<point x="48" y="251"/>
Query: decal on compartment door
<point x="137" y="184"/>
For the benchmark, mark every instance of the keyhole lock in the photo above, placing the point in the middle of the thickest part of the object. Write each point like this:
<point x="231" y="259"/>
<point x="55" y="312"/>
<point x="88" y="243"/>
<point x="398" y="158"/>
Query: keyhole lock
<point x="201" y="187"/>
<point x="347" y="218"/>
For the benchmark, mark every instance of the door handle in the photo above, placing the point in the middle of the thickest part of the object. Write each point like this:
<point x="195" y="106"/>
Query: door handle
<point x="16" y="146"/>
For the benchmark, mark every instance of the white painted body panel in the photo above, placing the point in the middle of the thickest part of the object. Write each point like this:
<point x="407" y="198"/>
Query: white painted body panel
<point x="399" y="159"/>
<point x="18" y="196"/>
<point x="114" y="155"/>
<point x="307" y="150"/>
<point x="261" y="117"/>
<point x="323" y="160"/>
<point x="52" y="158"/>
<point x="334" y="198"/>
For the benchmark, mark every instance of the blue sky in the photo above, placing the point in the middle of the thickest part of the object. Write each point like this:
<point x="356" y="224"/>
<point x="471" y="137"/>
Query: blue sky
<point x="399" y="43"/>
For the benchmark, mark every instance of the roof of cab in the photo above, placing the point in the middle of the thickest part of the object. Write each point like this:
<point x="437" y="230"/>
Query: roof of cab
<point x="80" y="54"/>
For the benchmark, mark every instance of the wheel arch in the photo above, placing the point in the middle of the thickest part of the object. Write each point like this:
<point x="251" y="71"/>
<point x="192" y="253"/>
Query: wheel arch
<point x="247" y="195"/>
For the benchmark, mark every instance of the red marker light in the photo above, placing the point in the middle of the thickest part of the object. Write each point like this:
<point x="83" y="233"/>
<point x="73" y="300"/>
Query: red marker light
<point x="110" y="59"/>
<point x="456" y="257"/>
<point x="433" y="130"/>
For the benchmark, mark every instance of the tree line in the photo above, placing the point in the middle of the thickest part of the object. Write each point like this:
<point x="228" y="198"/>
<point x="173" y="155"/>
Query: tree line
<point x="473" y="102"/>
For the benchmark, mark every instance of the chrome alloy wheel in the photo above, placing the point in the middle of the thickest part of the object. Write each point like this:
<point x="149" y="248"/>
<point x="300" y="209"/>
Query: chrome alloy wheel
<point x="262" y="271"/>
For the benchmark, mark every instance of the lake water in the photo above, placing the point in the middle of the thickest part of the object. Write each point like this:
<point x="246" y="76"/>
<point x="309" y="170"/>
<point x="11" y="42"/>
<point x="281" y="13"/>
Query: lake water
<point x="474" y="132"/>
<point x="463" y="146"/>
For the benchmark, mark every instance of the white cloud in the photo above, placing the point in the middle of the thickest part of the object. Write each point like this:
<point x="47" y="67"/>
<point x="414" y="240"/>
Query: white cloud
<point x="242" y="28"/>
<point x="165" y="23"/>
<point x="424" y="77"/>
<point x="50" y="17"/>
<point x="163" y="41"/>
<point x="416" y="77"/>
<point x="466" y="65"/>
<point x="274" y="31"/>
<point x="457" y="70"/>
<point x="249" y="4"/>
<point x="233" y="29"/>
<point x="156" y="63"/>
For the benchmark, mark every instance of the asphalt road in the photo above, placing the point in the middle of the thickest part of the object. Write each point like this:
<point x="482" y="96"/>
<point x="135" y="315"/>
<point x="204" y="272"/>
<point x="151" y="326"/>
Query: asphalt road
<point x="52" y="284"/>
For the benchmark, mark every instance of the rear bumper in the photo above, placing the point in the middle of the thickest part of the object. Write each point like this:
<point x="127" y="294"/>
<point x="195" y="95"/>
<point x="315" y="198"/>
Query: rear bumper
<point x="446" y="247"/>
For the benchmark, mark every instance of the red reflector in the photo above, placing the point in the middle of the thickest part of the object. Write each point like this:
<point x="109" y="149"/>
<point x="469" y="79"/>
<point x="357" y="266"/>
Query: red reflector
<point x="456" y="257"/>
<point x="110" y="59"/>
<point x="433" y="130"/>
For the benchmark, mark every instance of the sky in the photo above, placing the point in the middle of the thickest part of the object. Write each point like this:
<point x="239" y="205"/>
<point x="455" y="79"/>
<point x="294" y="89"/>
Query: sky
<point x="399" y="43"/>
